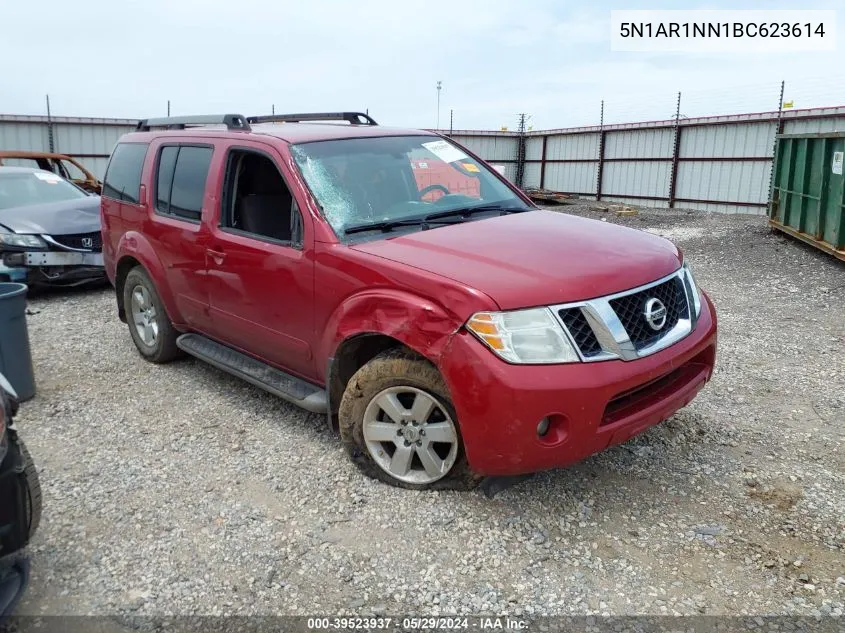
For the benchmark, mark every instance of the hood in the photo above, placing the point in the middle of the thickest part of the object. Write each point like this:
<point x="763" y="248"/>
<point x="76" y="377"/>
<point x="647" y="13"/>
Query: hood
<point x="535" y="258"/>
<point x="56" y="218"/>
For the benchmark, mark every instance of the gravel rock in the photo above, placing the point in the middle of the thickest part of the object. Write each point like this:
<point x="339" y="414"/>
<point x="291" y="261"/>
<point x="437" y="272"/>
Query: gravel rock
<point x="176" y="489"/>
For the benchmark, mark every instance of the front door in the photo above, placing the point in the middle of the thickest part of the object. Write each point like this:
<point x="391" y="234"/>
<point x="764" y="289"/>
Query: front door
<point x="261" y="282"/>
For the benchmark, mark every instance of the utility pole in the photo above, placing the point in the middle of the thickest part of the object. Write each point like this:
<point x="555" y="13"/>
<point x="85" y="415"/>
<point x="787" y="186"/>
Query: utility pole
<point x="273" y="108"/>
<point x="50" y="139"/>
<point x="439" y="86"/>
<point x="168" y="107"/>
<point x="451" y="121"/>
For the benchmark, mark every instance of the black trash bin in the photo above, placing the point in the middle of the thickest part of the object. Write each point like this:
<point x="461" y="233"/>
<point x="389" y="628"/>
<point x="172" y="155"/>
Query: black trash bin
<point x="15" y="354"/>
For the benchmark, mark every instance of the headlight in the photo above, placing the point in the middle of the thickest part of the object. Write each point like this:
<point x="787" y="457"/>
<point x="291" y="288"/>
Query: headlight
<point x="523" y="336"/>
<point x="693" y="290"/>
<point x="21" y="241"/>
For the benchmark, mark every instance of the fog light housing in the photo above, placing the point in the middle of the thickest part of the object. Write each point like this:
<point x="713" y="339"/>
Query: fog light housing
<point x="553" y="429"/>
<point x="543" y="427"/>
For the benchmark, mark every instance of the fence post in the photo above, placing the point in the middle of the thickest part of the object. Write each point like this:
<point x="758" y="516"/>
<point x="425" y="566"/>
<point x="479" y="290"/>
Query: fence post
<point x="778" y="130"/>
<point x="676" y="148"/>
<point x="543" y="162"/>
<point x="601" y="153"/>
<point x="520" y="152"/>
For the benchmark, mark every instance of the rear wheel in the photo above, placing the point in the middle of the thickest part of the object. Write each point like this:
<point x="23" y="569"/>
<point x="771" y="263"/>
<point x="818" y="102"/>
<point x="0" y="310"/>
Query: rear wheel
<point x="398" y="425"/>
<point x="149" y="325"/>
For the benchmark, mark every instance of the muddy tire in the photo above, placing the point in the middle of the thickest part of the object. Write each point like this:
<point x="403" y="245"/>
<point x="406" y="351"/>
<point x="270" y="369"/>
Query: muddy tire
<point x="398" y="425"/>
<point x="150" y="327"/>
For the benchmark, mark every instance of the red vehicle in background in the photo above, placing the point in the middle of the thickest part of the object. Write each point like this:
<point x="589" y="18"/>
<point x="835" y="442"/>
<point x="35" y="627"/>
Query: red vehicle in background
<point x="393" y="281"/>
<point x="443" y="178"/>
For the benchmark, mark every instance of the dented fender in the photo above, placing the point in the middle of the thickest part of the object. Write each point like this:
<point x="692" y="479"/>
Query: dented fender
<point x="421" y="324"/>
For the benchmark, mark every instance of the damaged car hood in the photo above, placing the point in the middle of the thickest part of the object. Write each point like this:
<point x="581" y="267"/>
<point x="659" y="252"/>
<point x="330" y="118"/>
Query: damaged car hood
<point x="535" y="258"/>
<point x="55" y="218"/>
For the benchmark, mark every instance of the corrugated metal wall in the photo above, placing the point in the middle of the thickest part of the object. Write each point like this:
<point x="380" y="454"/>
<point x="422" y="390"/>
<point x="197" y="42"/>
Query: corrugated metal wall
<point x="718" y="164"/>
<point x="712" y="163"/>
<point x="90" y="141"/>
<point x="499" y="148"/>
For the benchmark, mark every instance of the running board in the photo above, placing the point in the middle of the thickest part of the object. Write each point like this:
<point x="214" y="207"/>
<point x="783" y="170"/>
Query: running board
<point x="260" y="374"/>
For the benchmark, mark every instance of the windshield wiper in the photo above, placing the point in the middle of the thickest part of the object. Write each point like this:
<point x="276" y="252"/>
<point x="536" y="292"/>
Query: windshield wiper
<point x="452" y="216"/>
<point x="465" y="212"/>
<point x="389" y="225"/>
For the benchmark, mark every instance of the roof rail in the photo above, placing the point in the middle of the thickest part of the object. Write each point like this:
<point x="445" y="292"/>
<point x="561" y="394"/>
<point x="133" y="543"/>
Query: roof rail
<point x="355" y="118"/>
<point x="231" y="121"/>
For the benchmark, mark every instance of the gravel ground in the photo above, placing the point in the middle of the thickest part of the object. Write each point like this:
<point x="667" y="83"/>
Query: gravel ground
<point x="179" y="490"/>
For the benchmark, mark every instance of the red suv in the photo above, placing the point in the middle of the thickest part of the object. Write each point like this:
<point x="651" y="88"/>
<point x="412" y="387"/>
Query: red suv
<point x="392" y="280"/>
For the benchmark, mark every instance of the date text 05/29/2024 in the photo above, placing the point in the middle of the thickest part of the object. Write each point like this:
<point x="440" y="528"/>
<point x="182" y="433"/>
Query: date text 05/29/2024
<point x="457" y="623"/>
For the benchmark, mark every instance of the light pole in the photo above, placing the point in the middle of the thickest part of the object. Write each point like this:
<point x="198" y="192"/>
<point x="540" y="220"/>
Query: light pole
<point x="439" y="85"/>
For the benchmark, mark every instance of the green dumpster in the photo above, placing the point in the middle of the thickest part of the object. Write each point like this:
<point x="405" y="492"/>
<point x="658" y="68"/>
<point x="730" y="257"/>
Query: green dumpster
<point x="808" y="189"/>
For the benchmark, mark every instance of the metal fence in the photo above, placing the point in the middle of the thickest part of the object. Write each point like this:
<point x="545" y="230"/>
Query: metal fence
<point x="720" y="163"/>
<point x="87" y="139"/>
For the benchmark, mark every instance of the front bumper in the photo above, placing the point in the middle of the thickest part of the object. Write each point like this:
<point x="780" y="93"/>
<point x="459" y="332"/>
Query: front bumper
<point x="591" y="406"/>
<point x="53" y="258"/>
<point x="54" y="268"/>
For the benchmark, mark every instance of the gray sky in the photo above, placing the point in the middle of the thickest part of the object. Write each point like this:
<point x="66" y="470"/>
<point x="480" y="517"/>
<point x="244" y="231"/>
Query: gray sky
<point x="496" y="58"/>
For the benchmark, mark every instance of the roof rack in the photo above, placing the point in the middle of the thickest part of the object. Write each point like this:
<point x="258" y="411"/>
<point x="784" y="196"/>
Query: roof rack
<point x="231" y="121"/>
<point x="355" y="118"/>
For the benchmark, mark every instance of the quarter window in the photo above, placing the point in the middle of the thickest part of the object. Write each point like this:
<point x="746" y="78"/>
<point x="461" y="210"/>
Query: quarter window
<point x="164" y="177"/>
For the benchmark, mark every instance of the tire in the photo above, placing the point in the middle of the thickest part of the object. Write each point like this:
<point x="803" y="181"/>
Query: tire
<point x="141" y="301"/>
<point x="400" y="376"/>
<point x="34" y="489"/>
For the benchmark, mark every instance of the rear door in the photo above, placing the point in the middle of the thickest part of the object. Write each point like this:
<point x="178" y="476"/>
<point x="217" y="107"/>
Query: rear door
<point x="179" y="201"/>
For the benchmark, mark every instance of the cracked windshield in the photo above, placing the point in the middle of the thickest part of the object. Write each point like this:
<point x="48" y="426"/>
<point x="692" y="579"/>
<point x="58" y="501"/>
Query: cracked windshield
<point x="378" y="183"/>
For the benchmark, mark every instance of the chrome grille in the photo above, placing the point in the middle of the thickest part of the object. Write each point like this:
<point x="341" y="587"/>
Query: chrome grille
<point x="616" y="326"/>
<point x="631" y="311"/>
<point x="80" y="241"/>
<point x="581" y="331"/>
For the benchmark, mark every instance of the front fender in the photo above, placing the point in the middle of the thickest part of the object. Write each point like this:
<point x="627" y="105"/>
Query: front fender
<point x="421" y="324"/>
<point x="135" y="246"/>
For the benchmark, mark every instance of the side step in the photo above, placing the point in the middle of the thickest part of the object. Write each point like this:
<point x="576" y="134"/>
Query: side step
<point x="260" y="374"/>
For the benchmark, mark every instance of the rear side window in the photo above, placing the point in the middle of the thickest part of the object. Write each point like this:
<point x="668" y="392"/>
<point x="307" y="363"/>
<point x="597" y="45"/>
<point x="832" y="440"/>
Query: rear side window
<point x="164" y="177"/>
<point x="181" y="174"/>
<point x="123" y="177"/>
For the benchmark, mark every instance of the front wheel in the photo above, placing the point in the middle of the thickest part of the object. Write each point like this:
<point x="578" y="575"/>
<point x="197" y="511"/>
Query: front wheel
<point x="398" y="425"/>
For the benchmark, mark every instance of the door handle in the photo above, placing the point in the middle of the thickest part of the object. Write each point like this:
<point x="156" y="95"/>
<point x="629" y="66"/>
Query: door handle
<point x="217" y="256"/>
